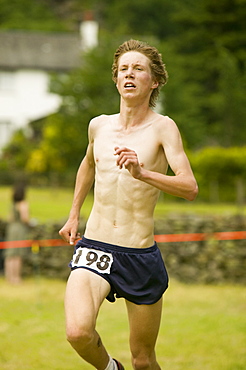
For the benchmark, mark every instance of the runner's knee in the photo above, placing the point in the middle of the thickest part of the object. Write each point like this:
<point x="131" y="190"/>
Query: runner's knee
<point x="84" y="336"/>
<point x="141" y="363"/>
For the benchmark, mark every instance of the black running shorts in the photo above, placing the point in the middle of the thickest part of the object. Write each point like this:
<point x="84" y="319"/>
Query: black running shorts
<point x="136" y="274"/>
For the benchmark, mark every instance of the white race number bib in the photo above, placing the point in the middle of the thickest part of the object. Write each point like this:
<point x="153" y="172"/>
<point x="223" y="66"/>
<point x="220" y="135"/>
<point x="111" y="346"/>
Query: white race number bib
<point x="94" y="259"/>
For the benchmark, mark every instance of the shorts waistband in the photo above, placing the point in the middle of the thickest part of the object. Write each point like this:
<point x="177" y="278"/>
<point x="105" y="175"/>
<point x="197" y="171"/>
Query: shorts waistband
<point x="116" y="248"/>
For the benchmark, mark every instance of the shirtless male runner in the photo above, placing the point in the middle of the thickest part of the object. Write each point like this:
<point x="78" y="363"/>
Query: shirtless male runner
<point x="128" y="155"/>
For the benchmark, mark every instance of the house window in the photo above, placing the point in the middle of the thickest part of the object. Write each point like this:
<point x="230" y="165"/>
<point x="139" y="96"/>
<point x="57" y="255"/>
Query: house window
<point x="7" y="81"/>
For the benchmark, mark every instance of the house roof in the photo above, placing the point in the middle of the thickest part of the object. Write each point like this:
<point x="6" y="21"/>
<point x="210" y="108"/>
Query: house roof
<point x="39" y="50"/>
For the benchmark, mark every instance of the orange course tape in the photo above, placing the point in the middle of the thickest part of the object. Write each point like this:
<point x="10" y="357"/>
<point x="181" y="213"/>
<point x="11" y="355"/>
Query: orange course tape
<point x="227" y="235"/>
<point x="29" y="243"/>
<point x="165" y="238"/>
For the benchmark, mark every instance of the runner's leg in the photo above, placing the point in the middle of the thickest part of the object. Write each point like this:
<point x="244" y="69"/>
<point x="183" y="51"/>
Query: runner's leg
<point x="144" y="322"/>
<point x="84" y="295"/>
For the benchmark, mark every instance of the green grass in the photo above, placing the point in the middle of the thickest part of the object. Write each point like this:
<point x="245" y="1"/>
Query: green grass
<point x="53" y="204"/>
<point x="46" y="204"/>
<point x="203" y="327"/>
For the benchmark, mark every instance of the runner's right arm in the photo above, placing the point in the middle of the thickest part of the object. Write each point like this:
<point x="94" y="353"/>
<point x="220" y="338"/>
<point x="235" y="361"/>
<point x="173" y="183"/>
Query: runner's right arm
<point x="84" y="180"/>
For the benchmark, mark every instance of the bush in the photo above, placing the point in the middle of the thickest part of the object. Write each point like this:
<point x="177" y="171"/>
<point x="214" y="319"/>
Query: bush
<point x="221" y="173"/>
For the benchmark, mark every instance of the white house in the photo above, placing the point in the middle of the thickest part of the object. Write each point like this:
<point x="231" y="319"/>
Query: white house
<point x="26" y="60"/>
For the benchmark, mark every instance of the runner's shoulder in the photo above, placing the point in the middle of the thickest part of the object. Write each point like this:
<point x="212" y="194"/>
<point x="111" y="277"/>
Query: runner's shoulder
<point x="96" y="122"/>
<point x="165" y="124"/>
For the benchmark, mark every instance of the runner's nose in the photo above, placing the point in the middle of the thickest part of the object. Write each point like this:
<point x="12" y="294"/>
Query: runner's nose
<point x="129" y="73"/>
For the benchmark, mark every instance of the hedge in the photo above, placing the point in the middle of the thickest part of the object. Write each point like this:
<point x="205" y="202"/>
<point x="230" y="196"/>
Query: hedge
<point x="221" y="173"/>
<point x="208" y="261"/>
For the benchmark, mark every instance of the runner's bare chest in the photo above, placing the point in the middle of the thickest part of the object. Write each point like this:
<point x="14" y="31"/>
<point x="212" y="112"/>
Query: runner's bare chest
<point x="143" y="140"/>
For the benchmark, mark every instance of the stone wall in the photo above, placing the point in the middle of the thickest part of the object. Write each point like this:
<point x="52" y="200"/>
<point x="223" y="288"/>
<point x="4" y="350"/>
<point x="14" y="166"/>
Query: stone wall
<point x="207" y="261"/>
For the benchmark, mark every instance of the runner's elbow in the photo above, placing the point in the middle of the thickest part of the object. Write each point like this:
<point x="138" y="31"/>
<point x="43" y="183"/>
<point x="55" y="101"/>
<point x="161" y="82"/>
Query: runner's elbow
<point x="193" y="192"/>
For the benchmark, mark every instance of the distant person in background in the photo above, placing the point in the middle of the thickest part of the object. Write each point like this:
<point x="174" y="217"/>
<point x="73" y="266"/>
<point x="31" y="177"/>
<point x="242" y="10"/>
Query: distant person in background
<point x="17" y="229"/>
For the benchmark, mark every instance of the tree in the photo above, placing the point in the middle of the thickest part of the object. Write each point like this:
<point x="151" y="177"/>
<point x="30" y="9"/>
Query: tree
<point x="202" y="43"/>
<point x="87" y="92"/>
<point x="207" y="96"/>
<point x="29" y="15"/>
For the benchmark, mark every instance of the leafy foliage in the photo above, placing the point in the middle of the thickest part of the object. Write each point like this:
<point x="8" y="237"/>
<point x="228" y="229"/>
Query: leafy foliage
<point x="62" y="141"/>
<point x="83" y="98"/>
<point x="222" y="169"/>
<point x="28" y="15"/>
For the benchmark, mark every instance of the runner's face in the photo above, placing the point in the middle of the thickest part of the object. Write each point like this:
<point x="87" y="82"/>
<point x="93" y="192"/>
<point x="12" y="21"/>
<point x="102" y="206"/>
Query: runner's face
<point x="134" y="79"/>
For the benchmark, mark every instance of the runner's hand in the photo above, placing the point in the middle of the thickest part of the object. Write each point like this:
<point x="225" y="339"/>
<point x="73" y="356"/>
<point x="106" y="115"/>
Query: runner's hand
<point x="69" y="231"/>
<point x="129" y="159"/>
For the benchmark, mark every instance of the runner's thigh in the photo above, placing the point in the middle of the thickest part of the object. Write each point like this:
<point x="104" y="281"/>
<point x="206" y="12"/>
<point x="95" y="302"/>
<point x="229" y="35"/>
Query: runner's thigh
<point x="144" y="321"/>
<point x="84" y="294"/>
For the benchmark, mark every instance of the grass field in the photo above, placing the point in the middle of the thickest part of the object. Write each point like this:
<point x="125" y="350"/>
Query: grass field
<point x="53" y="204"/>
<point x="203" y="328"/>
